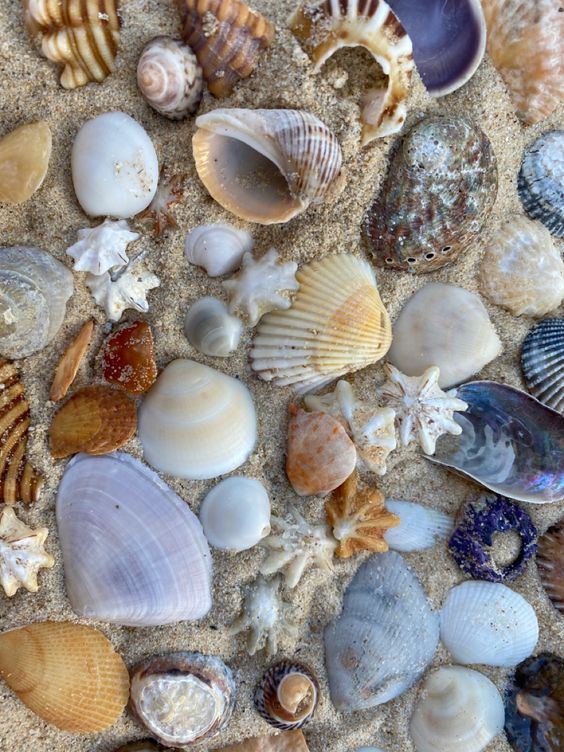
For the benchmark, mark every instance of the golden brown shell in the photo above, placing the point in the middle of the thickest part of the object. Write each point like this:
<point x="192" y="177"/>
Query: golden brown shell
<point x="550" y="563"/>
<point x="287" y="741"/>
<point x="70" y="362"/>
<point x="24" y="159"/>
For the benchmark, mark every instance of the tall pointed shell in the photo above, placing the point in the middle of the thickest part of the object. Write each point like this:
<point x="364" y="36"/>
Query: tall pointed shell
<point x="326" y="27"/>
<point x="133" y="551"/>
<point x="68" y="674"/>
<point x="337" y="324"/>
<point x="24" y="159"/>
<point x="385" y="637"/>
<point x="420" y="527"/>
<point x="218" y="248"/>
<point x="542" y="361"/>
<point x="266" y="166"/>
<point x="541" y="181"/>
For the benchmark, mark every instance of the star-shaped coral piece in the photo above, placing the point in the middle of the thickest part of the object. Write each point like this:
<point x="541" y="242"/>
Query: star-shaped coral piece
<point x="127" y="288"/>
<point x="102" y="248"/>
<point x="22" y="554"/>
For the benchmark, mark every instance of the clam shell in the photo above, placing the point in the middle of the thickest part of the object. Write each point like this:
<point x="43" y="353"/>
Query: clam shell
<point x="550" y="564"/>
<point x="542" y="361"/>
<point x="336" y="324"/>
<point x="287" y="741"/>
<point x="287" y="695"/>
<point x="218" y="248"/>
<point x="266" y="166"/>
<point x="67" y="674"/>
<point x="541" y="181"/>
<point x="487" y="622"/>
<point x="128" y="358"/>
<point x="211" y="329"/>
<point x="133" y="552"/>
<point x="24" y="159"/>
<point x="419" y="527"/>
<point x="69" y="364"/>
<point x="197" y="422"/>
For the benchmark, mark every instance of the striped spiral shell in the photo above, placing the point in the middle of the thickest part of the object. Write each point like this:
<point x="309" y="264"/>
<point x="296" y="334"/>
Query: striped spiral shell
<point x="287" y="695"/>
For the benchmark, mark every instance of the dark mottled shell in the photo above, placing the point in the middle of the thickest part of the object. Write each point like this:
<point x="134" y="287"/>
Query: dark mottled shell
<point x="439" y="191"/>
<point x="550" y="563"/>
<point x="267" y="701"/>
<point x="542" y="360"/>
<point x="541" y="181"/>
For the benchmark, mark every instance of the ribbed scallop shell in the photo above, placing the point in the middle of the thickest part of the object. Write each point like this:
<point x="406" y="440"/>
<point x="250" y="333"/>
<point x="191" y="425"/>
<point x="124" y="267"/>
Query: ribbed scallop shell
<point x="550" y="563"/>
<point x="326" y="26"/>
<point x="287" y="695"/>
<point x="81" y="35"/>
<point x="419" y="527"/>
<point x="337" y="324"/>
<point x="219" y="249"/>
<point x="24" y="159"/>
<point x="211" y="329"/>
<point x="266" y="166"/>
<point x="541" y="181"/>
<point x="487" y="622"/>
<point x="542" y="360"/>
<point x="133" y="552"/>
<point x="68" y="674"/>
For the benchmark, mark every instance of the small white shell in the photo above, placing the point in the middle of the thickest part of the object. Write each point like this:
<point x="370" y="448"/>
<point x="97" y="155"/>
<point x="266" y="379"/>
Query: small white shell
<point x="486" y="622"/>
<point x="124" y="289"/>
<point x="420" y="527"/>
<point x="210" y="328"/>
<point x="103" y="247"/>
<point x="219" y="249"/>
<point x="235" y="514"/>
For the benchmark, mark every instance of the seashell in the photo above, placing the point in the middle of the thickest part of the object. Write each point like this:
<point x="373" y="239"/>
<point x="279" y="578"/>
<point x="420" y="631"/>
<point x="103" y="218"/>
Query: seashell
<point x="227" y="37"/>
<point x="24" y="160"/>
<point x="525" y="43"/>
<point x="320" y="455"/>
<point x="70" y="362"/>
<point x="115" y="170"/>
<point x="81" y="36"/>
<point x="102" y="248"/>
<point x="445" y="326"/>
<point x="359" y="518"/>
<point x="196" y="422"/>
<point x="128" y="358"/>
<point x="337" y="324"/>
<point x="458" y="709"/>
<point x="126" y="288"/>
<point x="439" y="191"/>
<point x="170" y="191"/>
<point x="235" y="514"/>
<point x="67" y="674"/>
<point x="266" y="166"/>
<point x="510" y="443"/>
<point x="385" y="637"/>
<point x="170" y="78"/>
<point x="133" y="551"/>
<point x="210" y="328"/>
<point x="34" y="290"/>
<point x="22" y="554"/>
<point x="287" y="695"/>
<point x="182" y="698"/>
<point x="486" y="622"/>
<point x="419" y="527"/>
<point x="475" y="544"/>
<point x="541" y="181"/>
<point x="219" y="249"/>
<point x="145" y="746"/>
<point x="542" y="361"/>
<point x="18" y="479"/>
<point x="287" y="741"/>
<point x="325" y="27"/>
<point x="550" y="563"/>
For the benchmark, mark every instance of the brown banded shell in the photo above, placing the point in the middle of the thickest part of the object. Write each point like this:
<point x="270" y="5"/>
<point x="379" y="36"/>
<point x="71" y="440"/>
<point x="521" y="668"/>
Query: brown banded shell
<point x="70" y="362"/>
<point x="287" y="695"/>
<point x="227" y="37"/>
<point x="440" y="189"/>
<point x="541" y="181"/>
<point x="550" y="563"/>
<point x="24" y="159"/>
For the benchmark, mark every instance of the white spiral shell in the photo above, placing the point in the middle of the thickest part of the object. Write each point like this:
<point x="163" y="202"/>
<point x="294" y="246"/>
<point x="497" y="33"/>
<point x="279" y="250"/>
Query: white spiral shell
<point x="219" y="249"/>
<point x="211" y="329"/>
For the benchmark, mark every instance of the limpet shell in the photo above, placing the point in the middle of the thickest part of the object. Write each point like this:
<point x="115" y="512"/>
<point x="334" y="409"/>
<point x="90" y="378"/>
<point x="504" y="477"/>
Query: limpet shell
<point x="542" y="361"/>
<point x="541" y="181"/>
<point x="24" y="160"/>
<point x="287" y="695"/>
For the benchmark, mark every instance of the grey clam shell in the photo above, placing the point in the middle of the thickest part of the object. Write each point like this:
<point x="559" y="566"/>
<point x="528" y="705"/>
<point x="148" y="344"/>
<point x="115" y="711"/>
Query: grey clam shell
<point x="542" y="360"/>
<point x="541" y="181"/>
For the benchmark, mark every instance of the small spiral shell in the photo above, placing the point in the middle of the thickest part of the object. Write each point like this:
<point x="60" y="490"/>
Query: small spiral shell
<point x="287" y="695"/>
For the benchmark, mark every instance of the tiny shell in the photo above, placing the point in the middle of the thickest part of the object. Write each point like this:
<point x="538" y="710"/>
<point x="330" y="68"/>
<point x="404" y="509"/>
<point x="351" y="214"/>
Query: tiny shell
<point x="22" y="554"/>
<point x="287" y="695"/>
<point x="550" y="564"/>
<point x="541" y="181"/>
<point x="542" y="361"/>
<point x="128" y="358"/>
<point x="219" y="249"/>
<point x="211" y="329"/>
<point x="24" y="160"/>
<point x="102" y="248"/>
<point x="126" y="288"/>
<point x="287" y="741"/>
<point x="70" y="362"/>
<point x="419" y="527"/>
<point x="170" y="191"/>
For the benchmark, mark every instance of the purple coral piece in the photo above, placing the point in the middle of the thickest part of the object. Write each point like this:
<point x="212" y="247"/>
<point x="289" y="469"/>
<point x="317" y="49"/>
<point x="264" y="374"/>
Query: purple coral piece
<point x="482" y="520"/>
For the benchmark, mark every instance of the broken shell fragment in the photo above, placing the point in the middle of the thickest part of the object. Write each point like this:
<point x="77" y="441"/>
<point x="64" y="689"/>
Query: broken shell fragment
<point x="287" y="741"/>
<point x="287" y="695"/>
<point x="102" y="248"/>
<point x="128" y="358"/>
<point x="211" y="329"/>
<point x="542" y="361"/>
<point x="219" y="249"/>
<point x="24" y="159"/>
<point x="70" y="362"/>
<point x="541" y="181"/>
<point x="550" y="564"/>
<point x="126" y="288"/>
<point x="22" y="554"/>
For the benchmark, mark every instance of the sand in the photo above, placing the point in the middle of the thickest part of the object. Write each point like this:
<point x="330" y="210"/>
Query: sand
<point x="51" y="220"/>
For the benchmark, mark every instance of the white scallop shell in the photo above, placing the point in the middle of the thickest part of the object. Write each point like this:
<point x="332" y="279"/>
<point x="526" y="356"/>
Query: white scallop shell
<point x="196" y="422"/>
<point x="235" y="514"/>
<point x="219" y="249"/>
<point x="420" y="527"/>
<point x="211" y="329"/>
<point x="488" y="623"/>
<point x="102" y="248"/>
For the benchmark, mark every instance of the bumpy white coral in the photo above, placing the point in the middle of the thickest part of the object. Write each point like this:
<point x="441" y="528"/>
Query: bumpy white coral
<point x="124" y="289"/>
<point x="102" y="248"/>
<point x="22" y="554"/>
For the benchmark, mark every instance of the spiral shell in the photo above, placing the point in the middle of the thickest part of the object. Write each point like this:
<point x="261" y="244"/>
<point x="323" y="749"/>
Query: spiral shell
<point x="287" y="695"/>
<point x="211" y="329"/>
<point x="219" y="249"/>
<point x="24" y="159"/>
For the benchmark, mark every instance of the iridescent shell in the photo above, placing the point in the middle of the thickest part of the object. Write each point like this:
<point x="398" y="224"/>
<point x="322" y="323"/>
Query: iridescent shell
<point x="542" y="361"/>
<point x="541" y="181"/>
<point x="440" y="188"/>
<point x="24" y="159"/>
<point x="550" y="563"/>
<point x="287" y="695"/>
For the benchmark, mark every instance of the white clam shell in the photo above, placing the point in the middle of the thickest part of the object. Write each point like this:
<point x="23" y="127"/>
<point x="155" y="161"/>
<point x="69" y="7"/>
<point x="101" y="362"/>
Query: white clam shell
<point x="134" y="553"/>
<point x="488" y="623"/>
<point x="115" y="170"/>
<point x="219" y="249"/>
<point x="420" y="527"/>
<point x="235" y="514"/>
<point x="196" y="422"/>
<point x="211" y="329"/>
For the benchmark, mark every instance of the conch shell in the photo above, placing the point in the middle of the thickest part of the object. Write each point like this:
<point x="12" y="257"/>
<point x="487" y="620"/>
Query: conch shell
<point x="24" y="159"/>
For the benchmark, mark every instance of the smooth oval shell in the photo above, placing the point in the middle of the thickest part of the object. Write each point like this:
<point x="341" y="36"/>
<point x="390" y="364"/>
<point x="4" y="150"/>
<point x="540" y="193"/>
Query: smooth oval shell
<point x="211" y="329"/>
<point x="541" y="181"/>
<point x="68" y="365"/>
<point x="219" y="249"/>
<point x="287" y="695"/>
<point x="128" y="358"/>
<point x="419" y="527"/>
<point x="542" y="361"/>
<point x="550" y="564"/>
<point x="24" y="159"/>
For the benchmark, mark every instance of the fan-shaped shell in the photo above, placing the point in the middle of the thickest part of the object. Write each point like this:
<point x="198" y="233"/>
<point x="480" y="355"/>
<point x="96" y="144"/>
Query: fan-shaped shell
<point x="287" y="695"/>
<point x="211" y="329"/>
<point x="419" y="527"/>
<point x="541" y="181"/>
<point x="133" y="551"/>
<point x="550" y="563"/>
<point x="24" y="159"/>
<point x="336" y="324"/>
<point x="542" y="360"/>
<point x="218" y="248"/>
<point x="266" y="166"/>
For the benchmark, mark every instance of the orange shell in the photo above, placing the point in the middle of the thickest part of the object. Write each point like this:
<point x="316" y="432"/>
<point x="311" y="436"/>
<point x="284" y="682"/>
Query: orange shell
<point x="129" y="358"/>
<point x="287" y="741"/>
<point x="70" y="362"/>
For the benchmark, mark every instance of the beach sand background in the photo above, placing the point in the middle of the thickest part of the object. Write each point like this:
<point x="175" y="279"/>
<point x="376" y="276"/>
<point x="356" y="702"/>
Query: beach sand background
<point x="51" y="219"/>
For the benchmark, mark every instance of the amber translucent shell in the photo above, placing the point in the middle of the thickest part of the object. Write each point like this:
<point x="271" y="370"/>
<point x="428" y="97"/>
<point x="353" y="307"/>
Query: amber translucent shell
<point x="24" y="159"/>
<point x="128" y="358"/>
<point x="70" y="362"/>
<point x="68" y="674"/>
<point x="96" y="420"/>
<point x="287" y="741"/>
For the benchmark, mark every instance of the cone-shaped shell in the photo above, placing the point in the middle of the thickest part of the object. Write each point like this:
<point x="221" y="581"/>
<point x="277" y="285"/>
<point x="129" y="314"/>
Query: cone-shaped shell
<point x="68" y="674"/>
<point x="266" y="166"/>
<point x="337" y="324"/>
<point x="24" y="159"/>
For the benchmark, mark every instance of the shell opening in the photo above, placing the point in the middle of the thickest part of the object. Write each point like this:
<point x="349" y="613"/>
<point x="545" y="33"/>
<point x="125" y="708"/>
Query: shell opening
<point x="296" y="695"/>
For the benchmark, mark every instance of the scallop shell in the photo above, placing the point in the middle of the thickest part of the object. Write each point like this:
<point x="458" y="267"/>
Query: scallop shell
<point x="439" y="191"/>
<point x="325" y="27"/>
<point x="266" y="166"/>
<point x="128" y="358"/>
<point x="337" y="324"/>
<point x="182" y="698"/>
<point x="487" y="622"/>
<point x="133" y="552"/>
<point x="211" y="329"/>
<point x="67" y="674"/>
<point x="550" y="563"/>
<point x="197" y="422"/>
<point x="34" y="290"/>
<point x="385" y="637"/>
<point x="542" y="360"/>
<point x="459" y="709"/>
<point x="227" y="37"/>
<point x="287" y="741"/>
<point x="22" y="554"/>
<point x="69" y="363"/>
<point x="24" y="160"/>
<point x="219" y="249"/>
<point x="419" y="527"/>
<point x="287" y="695"/>
<point x="541" y="181"/>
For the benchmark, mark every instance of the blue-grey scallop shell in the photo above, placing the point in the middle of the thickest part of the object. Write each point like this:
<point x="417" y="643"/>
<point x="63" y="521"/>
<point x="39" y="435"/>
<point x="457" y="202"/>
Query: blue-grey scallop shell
<point x="542" y="360"/>
<point x="541" y="181"/>
<point x="436" y="197"/>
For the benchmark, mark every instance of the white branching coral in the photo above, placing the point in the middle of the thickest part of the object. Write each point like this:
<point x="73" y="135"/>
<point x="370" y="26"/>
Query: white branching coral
<point x="126" y="288"/>
<point x="102" y="248"/>
<point x="22" y="554"/>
